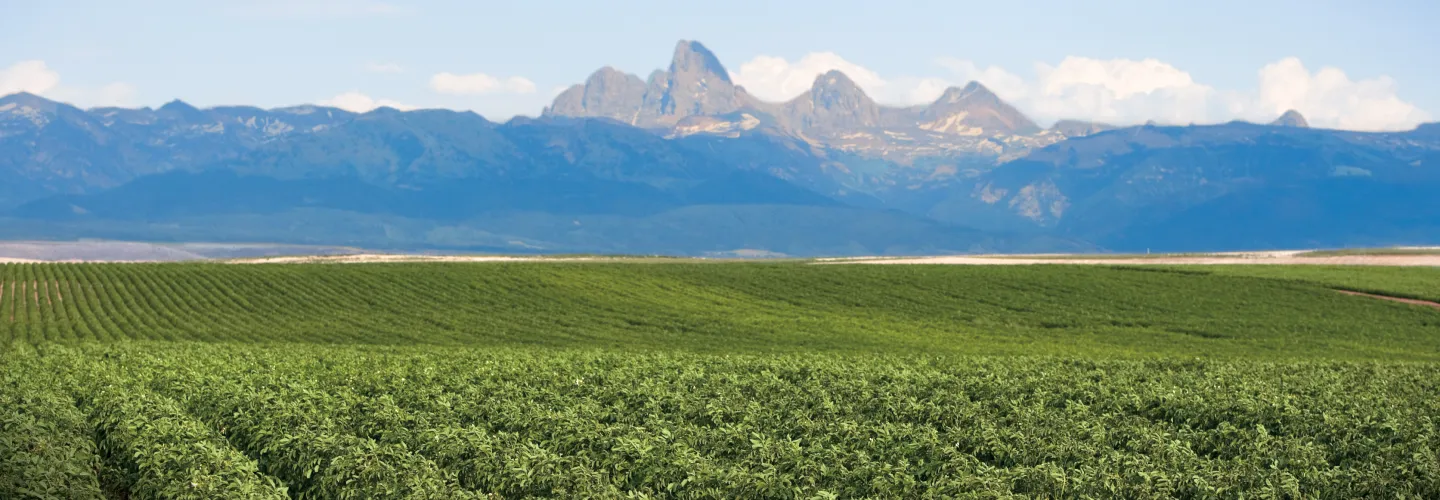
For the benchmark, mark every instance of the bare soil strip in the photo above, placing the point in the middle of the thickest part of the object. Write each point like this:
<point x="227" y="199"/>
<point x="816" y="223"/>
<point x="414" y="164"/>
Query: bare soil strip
<point x="1287" y="257"/>
<point x="1416" y="302"/>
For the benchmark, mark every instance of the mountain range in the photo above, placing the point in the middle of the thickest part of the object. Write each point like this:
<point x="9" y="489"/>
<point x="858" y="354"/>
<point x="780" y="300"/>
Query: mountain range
<point x="687" y="162"/>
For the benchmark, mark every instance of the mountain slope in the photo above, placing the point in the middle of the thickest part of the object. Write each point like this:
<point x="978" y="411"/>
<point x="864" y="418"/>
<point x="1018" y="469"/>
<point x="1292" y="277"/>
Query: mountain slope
<point x="608" y="93"/>
<point x="974" y="110"/>
<point x="834" y="103"/>
<point x="830" y="172"/>
<point x="445" y="179"/>
<point x="1176" y="187"/>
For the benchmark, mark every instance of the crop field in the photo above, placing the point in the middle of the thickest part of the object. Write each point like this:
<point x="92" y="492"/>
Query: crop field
<point x="682" y="380"/>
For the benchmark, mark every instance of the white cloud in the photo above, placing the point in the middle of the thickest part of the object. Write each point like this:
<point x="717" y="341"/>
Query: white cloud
<point x="1331" y="98"/>
<point x="392" y="68"/>
<point x="1120" y="91"/>
<point x="37" y="78"/>
<point x="1005" y="84"/>
<point x="775" y="79"/>
<point x="480" y="83"/>
<point x="28" y="76"/>
<point x="360" y="103"/>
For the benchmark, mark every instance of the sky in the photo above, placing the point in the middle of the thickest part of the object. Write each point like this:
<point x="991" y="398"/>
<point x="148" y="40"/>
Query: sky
<point x="1343" y="64"/>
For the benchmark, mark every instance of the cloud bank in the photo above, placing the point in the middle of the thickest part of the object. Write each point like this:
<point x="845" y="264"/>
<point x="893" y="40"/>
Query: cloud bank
<point x="357" y="102"/>
<point x="1119" y="91"/>
<point x="37" y="78"/>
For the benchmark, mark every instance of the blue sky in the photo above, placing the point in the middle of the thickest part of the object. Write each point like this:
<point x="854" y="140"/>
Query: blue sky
<point x="1344" y="64"/>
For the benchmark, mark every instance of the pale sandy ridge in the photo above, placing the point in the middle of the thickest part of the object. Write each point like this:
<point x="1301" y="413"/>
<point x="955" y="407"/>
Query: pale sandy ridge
<point x="1285" y="257"/>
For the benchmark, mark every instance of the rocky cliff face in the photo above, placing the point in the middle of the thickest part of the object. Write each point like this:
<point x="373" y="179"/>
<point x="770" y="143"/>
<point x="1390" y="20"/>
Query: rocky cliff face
<point x="695" y="84"/>
<point x="608" y="93"/>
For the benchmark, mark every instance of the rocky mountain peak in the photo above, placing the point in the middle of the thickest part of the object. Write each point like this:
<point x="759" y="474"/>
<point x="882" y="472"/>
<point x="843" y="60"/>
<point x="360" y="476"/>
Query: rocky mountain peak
<point x="697" y="84"/>
<point x="37" y="111"/>
<point x="29" y="103"/>
<point x="834" y="79"/>
<point x="1291" y="118"/>
<point x="181" y="110"/>
<point x="692" y="58"/>
<point x="608" y="92"/>
<point x="974" y="110"/>
<point x="178" y="106"/>
<point x="24" y="99"/>
<point x="834" y="102"/>
<point x="970" y="92"/>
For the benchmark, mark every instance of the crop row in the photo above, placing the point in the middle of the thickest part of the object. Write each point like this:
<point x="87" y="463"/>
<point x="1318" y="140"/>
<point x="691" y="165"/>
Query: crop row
<point x="360" y="422"/>
<point x="45" y="446"/>
<point x="1065" y="310"/>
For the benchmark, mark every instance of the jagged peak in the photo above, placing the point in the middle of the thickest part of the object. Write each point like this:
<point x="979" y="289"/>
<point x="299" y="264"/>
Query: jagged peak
<point x="834" y="79"/>
<point x="610" y="73"/>
<point x="970" y="90"/>
<point x="1291" y="118"/>
<point x="693" y="56"/>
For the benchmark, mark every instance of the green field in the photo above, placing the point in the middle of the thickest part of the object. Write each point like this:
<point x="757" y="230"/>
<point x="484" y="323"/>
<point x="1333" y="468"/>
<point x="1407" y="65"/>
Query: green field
<point x="768" y="380"/>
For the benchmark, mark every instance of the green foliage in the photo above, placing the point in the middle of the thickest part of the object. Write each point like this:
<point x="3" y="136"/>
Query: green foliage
<point x="1410" y="282"/>
<point x="788" y="307"/>
<point x="45" y="446"/>
<point x="446" y="422"/>
<point x="683" y="380"/>
<point x="157" y="450"/>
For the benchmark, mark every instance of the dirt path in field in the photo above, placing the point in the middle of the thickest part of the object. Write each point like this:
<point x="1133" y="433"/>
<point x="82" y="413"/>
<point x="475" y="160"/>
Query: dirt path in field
<point x="1416" y="302"/>
<point x="1278" y="257"/>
